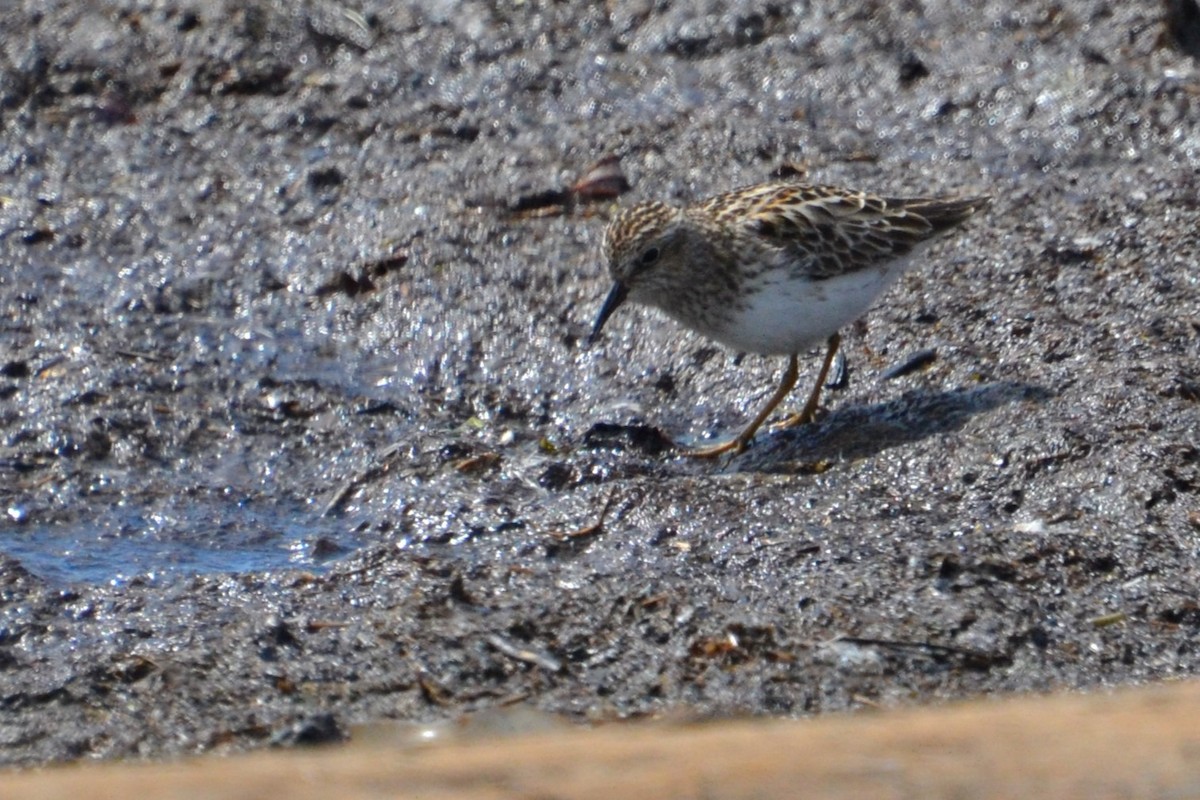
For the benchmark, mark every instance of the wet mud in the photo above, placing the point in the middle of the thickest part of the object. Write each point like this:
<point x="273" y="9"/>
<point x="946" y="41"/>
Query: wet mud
<point x="303" y="291"/>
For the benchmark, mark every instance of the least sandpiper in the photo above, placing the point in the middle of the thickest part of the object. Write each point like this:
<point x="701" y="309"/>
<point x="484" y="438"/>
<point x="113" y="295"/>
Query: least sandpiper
<point x="772" y="268"/>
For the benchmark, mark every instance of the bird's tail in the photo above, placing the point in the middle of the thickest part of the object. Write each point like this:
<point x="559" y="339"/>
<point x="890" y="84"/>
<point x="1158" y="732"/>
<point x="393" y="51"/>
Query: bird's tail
<point x="942" y="213"/>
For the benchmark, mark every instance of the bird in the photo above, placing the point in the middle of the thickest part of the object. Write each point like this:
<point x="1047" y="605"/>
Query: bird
<point x="772" y="268"/>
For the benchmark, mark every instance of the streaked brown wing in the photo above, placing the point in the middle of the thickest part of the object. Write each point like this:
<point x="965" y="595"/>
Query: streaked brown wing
<point x="834" y="231"/>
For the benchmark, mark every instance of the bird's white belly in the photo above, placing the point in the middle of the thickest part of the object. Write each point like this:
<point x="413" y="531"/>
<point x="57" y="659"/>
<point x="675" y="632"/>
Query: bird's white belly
<point x="789" y="316"/>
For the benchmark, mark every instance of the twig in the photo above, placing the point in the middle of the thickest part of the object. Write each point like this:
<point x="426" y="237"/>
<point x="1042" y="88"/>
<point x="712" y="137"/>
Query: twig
<point x="351" y="484"/>
<point x="589" y="530"/>
<point x="543" y="660"/>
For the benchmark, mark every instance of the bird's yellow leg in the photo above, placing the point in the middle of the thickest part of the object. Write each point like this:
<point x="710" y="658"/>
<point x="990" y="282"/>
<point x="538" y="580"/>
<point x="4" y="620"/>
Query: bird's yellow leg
<point x="809" y="412"/>
<point x="739" y="442"/>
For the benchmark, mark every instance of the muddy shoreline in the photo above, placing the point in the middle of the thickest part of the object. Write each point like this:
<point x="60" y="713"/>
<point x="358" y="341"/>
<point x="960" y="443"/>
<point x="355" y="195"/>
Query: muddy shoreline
<point x="314" y="281"/>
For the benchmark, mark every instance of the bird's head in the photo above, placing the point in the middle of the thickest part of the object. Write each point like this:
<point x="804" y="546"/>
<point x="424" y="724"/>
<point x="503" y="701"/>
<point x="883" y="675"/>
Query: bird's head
<point x="643" y="246"/>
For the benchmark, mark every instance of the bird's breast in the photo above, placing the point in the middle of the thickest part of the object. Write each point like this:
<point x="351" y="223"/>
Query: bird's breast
<point x="783" y="314"/>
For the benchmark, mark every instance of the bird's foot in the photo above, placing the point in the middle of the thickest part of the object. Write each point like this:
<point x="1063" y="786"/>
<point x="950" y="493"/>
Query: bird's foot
<point x="733" y="446"/>
<point x="805" y="417"/>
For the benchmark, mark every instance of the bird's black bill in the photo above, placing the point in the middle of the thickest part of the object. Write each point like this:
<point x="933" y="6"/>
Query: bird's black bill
<point x="616" y="296"/>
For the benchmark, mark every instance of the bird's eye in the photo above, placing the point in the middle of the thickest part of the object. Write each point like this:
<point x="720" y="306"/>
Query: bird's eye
<point x="649" y="257"/>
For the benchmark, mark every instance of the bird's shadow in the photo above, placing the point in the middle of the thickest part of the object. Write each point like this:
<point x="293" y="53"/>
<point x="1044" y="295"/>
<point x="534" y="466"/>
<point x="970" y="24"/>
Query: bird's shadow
<point x="858" y="432"/>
